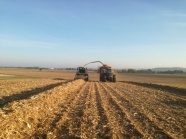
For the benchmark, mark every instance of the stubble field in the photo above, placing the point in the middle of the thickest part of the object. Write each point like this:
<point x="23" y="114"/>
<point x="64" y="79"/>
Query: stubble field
<point x="50" y="104"/>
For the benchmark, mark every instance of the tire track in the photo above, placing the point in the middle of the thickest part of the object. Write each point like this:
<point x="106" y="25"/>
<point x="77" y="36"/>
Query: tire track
<point x="94" y="120"/>
<point x="121" y="127"/>
<point x="102" y="127"/>
<point x="90" y="117"/>
<point x="140" y="120"/>
<point x="69" y="126"/>
<point x="67" y="101"/>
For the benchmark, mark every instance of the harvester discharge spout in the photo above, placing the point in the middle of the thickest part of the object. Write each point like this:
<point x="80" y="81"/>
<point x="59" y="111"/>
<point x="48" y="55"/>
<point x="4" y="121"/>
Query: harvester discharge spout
<point x="106" y="72"/>
<point x="94" y="62"/>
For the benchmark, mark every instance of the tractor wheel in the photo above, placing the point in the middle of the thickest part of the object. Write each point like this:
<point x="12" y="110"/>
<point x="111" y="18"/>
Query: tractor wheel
<point x="104" y="78"/>
<point x="114" y="78"/>
<point x="111" y="79"/>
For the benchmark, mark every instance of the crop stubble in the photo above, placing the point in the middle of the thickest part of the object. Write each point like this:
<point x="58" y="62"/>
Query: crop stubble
<point x="78" y="109"/>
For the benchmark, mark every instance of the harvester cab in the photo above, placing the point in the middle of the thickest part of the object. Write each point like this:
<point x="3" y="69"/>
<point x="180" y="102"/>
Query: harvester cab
<point x="106" y="72"/>
<point x="81" y="74"/>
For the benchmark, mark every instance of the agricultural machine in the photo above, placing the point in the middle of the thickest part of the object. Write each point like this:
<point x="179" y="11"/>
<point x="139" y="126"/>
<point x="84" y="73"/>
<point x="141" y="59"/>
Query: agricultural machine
<point x="81" y="74"/>
<point x="106" y="72"/>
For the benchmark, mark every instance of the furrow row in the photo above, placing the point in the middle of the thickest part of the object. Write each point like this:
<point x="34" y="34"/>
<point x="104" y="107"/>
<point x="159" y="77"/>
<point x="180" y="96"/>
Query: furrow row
<point x="165" y="111"/>
<point x="158" y="112"/>
<point x="120" y="125"/>
<point x="140" y="120"/>
<point x="69" y="126"/>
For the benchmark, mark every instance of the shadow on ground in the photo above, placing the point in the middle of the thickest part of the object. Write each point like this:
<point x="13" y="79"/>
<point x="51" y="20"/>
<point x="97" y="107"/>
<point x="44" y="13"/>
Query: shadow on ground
<point x="59" y="79"/>
<point x="177" y="103"/>
<point x="170" y="89"/>
<point x="27" y="94"/>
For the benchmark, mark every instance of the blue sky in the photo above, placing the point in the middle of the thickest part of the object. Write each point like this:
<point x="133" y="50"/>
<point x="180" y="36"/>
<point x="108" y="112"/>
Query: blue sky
<point x="71" y="33"/>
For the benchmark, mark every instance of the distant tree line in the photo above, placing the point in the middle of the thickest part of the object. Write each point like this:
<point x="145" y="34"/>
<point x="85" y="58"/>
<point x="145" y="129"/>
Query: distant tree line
<point x="136" y="71"/>
<point x="170" y="72"/>
<point x="71" y="68"/>
<point x="149" y="71"/>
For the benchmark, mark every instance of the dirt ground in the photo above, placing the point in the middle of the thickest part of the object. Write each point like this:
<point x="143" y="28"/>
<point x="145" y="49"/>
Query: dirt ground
<point x="176" y="80"/>
<point x="56" y="106"/>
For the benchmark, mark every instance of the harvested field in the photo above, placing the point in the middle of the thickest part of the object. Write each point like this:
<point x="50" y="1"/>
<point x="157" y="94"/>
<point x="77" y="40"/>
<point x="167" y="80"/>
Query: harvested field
<point x="36" y="73"/>
<point x="77" y="109"/>
<point x="175" y="80"/>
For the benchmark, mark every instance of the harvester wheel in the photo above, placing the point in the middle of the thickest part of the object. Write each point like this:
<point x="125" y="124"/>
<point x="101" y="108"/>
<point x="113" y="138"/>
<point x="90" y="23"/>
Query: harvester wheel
<point x="87" y="79"/>
<point x="114" y="78"/>
<point x="111" y="79"/>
